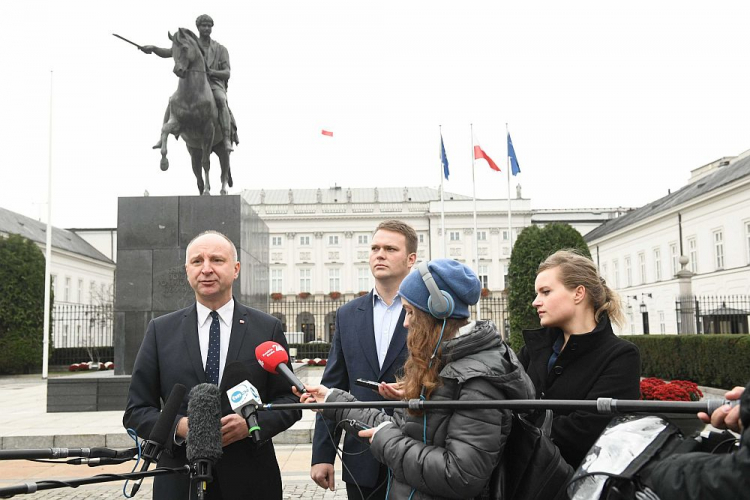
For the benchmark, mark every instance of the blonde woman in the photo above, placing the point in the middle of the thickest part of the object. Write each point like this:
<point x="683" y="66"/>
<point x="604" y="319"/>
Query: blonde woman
<point x="576" y="355"/>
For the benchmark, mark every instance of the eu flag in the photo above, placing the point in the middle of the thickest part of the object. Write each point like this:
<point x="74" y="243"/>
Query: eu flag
<point x="514" y="168"/>
<point x="443" y="158"/>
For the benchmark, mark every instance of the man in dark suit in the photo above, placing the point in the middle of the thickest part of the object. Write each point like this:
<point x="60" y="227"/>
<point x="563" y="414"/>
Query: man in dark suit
<point x="192" y="346"/>
<point x="369" y="342"/>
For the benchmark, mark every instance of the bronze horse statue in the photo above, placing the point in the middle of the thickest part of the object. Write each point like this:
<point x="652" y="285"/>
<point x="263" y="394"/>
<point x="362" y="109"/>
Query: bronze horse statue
<point x="193" y="114"/>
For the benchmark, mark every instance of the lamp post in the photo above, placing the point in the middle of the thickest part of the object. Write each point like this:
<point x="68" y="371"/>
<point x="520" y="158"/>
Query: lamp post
<point x="644" y="310"/>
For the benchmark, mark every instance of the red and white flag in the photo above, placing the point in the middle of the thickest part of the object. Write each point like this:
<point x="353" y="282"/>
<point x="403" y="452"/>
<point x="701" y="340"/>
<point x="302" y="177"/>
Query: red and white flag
<point x="480" y="154"/>
<point x="327" y="132"/>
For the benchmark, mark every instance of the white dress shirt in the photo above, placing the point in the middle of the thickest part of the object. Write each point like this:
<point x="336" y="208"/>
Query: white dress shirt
<point x="226" y="315"/>
<point x="384" y="322"/>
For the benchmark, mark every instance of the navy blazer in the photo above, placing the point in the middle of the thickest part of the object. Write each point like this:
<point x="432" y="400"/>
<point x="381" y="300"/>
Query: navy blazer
<point x="354" y="355"/>
<point x="170" y="354"/>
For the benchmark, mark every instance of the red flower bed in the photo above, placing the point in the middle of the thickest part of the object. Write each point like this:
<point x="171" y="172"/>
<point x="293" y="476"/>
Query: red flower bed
<point x="676" y="390"/>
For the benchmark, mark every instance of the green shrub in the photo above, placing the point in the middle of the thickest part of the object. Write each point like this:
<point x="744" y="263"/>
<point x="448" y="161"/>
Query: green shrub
<point x="709" y="360"/>
<point x="21" y="305"/>
<point x="534" y="244"/>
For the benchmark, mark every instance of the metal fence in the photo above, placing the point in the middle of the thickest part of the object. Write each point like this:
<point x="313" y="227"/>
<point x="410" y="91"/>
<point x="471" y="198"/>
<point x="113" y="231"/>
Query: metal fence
<point x="713" y="314"/>
<point x="314" y="320"/>
<point x="82" y="331"/>
<point x="86" y="331"/>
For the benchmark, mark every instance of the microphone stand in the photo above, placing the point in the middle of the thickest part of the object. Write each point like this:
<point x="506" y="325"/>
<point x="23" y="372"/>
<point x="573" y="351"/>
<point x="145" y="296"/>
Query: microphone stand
<point x="604" y="406"/>
<point x="10" y="491"/>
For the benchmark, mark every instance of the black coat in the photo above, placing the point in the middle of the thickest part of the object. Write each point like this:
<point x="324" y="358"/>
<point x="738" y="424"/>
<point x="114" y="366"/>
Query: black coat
<point x="169" y="355"/>
<point x="594" y="365"/>
<point x="704" y="476"/>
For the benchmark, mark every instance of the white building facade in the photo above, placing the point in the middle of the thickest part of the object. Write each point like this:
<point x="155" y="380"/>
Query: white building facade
<point x="320" y="238"/>
<point x="708" y="222"/>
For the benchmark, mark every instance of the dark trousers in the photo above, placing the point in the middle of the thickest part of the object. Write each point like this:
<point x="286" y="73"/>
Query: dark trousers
<point x="376" y="493"/>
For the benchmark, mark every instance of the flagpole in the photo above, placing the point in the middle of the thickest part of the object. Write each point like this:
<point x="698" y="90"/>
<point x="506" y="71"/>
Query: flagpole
<point x="507" y="156"/>
<point x="442" y="196"/>
<point x="474" y="194"/>
<point x="48" y="246"/>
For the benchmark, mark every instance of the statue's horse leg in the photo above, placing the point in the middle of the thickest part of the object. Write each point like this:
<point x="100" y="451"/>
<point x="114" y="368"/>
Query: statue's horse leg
<point x="195" y="158"/>
<point x="223" y="155"/>
<point x="170" y="127"/>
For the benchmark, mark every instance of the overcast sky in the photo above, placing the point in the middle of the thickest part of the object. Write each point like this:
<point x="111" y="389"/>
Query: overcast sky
<point x="608" y="103"/>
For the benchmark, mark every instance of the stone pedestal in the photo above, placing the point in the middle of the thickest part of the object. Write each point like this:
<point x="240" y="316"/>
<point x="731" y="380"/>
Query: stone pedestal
<point x="152" y="234"/>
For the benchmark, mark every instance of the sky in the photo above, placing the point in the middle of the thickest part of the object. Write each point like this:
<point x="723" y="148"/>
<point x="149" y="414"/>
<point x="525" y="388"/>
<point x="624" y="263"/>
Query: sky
<point x="608" y="103"/>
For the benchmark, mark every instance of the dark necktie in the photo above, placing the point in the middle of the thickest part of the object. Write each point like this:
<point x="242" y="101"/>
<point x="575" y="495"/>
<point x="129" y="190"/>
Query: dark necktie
<point x="214" y="344"/>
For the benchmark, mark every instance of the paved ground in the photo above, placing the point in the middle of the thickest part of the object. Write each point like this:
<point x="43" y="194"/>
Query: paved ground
<point x="24" y="424"/>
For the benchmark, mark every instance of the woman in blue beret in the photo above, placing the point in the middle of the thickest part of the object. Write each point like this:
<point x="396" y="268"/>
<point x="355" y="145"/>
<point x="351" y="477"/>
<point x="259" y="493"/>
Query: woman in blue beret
<point x="441" y="453"/>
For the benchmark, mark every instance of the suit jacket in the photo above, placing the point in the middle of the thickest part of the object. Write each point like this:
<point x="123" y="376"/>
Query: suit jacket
<point x="354" y="355"/>
<point x="170" y="354"/>
<point x="597" y="364"/>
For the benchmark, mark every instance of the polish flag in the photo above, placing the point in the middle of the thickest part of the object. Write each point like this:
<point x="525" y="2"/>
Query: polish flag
<point x="327" y="132"/>
<point x="480" y="154"/>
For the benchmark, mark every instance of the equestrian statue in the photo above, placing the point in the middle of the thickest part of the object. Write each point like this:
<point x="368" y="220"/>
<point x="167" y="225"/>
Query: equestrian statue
<point x="198" y="111"/>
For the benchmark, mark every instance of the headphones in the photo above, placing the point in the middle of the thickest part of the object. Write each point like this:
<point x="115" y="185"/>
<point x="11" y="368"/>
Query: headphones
<point x="439" y="303"/>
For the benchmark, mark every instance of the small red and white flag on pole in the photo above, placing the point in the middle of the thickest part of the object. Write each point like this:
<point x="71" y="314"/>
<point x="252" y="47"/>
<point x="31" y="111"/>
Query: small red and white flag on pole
<point x="480" y="154"/>
<point x="327" y="132"/>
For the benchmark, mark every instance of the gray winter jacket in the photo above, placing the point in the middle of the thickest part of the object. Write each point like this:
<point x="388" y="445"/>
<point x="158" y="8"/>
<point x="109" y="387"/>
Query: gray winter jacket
<point x="462" y="447"/>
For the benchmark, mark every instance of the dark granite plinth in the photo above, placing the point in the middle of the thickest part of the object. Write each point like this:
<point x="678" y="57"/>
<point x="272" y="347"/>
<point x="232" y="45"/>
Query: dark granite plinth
<point x="83" y="393"/>
<point x="152" y="234"/>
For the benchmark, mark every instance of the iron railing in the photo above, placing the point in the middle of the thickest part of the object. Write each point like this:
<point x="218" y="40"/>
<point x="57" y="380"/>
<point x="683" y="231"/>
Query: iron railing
<point x="713" y="314"/>
<point x="314" y="320"/>
<point x="86" y="331"/>
<point x="82" y="331"/>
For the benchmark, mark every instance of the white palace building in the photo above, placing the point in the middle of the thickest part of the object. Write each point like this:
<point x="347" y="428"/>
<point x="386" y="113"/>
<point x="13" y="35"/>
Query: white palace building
<point x="320" y="238"/>
<point x="704" y="225"/>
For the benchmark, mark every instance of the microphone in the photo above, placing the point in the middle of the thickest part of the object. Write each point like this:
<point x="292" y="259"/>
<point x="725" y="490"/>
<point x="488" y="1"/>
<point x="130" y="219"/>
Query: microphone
<point x="273" y="358"/>
<point x="96" y="462"/>
<point x="55" y="453"/>
<point x="152" y="447"/>
<point x="204" y="434"/>
<point x="243" y="397"/>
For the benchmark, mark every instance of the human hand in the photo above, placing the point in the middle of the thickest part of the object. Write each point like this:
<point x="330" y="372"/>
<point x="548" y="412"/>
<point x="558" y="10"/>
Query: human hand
<point x="233" y="428"/>
<point x="726" y="417"/>
<point x="367" y="433"/>
<point x="147" y="49"/>
<point x="182" y="428"/>
<point x="391" y="391"/>
<point x="324" y="476"/>
<point x="314" y="394"/>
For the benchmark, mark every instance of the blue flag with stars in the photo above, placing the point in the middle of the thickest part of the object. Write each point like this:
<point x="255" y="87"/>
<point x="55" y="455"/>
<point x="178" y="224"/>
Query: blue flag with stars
<point x="443" y="158"/>
<point x="514" y="168"/>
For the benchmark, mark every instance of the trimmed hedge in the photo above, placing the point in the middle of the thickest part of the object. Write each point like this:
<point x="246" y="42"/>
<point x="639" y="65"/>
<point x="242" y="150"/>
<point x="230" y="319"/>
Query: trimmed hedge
<point x="21" y="305"/>
<point x="708" y="360"/>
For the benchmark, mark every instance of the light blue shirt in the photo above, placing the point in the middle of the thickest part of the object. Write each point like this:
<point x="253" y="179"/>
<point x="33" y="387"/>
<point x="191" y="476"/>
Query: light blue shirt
<point x="384" y="322"/>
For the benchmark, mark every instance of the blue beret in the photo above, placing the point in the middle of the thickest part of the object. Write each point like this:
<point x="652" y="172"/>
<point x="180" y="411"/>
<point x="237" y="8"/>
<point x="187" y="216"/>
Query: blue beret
<point x="450" y="276"/>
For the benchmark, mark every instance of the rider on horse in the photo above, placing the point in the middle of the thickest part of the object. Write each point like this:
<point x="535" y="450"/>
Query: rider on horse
<point x="217" y="70"/>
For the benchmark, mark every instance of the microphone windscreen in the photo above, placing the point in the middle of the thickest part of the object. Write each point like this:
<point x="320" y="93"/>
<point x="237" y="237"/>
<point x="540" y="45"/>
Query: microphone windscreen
<point x="160" y="431"/>
<point x="270" y="354"/>
<point x="204" y="423"/>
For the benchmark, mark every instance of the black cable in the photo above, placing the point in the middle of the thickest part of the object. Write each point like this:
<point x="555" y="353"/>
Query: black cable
<point x="592" y="474"/>
<point x="722" y="443"/>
